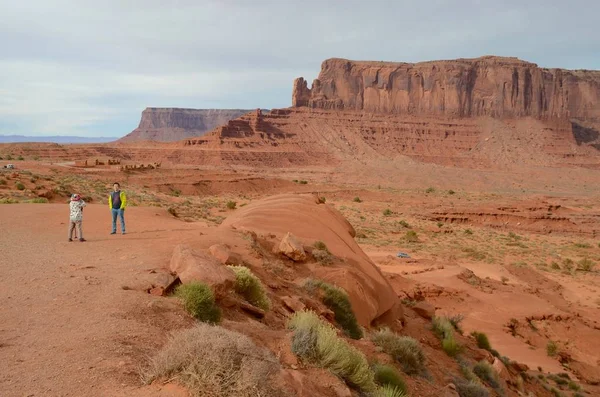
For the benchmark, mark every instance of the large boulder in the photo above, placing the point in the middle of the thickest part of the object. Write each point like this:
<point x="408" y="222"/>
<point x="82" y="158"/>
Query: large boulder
<point x="191" y="265"/>
<point x="308" y="220"/>
<point x="291" y="247"/>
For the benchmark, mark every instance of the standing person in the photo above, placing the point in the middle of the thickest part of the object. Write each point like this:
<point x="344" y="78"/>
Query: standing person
<point x="76" y="216"/>
<point x="117" y="201"/>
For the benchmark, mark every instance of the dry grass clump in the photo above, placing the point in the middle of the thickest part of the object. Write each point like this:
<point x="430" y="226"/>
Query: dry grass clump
<point x="482" y="340"/>
<point x="386" y="375"/>
<point x="405" y="350"/>
<point x="488" y="374"/>
<point x="471" y="389"/>
<point x="212" y="362"/>
<point x="390" y="391"/>
<point x="250" y="287"/>
<point x="444" y="330"/>
<point x="199" y="301"/>
<point x="317" y="342"/>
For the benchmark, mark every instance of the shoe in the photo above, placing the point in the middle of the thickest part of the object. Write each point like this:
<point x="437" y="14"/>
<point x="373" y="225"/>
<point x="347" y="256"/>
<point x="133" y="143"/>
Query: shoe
<point x="82" y="240"/>
<point x="70" y="239"/>
<point x="113" y="233"/>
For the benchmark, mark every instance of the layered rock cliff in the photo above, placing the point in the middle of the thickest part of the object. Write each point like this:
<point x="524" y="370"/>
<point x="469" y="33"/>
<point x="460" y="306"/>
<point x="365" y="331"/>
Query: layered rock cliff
<point x="487" y="86"/>
<point x="174" y="124"/>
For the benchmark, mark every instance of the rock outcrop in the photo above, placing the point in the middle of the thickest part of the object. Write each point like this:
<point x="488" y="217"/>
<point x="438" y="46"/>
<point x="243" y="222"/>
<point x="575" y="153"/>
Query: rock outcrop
<point x="487" y="86"/>
<point x="174" y="124"/>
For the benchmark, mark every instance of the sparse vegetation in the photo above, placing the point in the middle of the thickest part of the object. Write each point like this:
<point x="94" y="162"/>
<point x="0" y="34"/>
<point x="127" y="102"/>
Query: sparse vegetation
<point x="411" y="236"/>
<point x="440" y="224"/>
<point x="250" y="287"/>
<point x="582" y="245"/>
<point x="9" y="157"/>
<point x="336" y="299"/>
<point x="585" y="265"/>
<point x="386" y="375"/>
<point x="320" y="246"/>
<point x="357" y="200"/>
<point x="551" y="348"/>
<point x="2" y="181"/>
<point x="390" y="391"/>
<point x="176" y="192"/>
<point x="468" y="231"/>
<point x="231" y="205"/>
<point x="482" y="340"/>
<point x="303" y="182"/>
<point x="451" y="192"/>
<point x="20" y="186"/>
<point x="444" y="330"/>
<point x="486" y="373"/>
<point x="199" y="301"/>
<point x="504" y="280"/>
<point x="20" y="158"/>
<point x="387" y="212"/>
<point x="405" y="350"/>
<point x="471" y="389"/>
<point x="316" y="341"/>
<point x="404" y="224"/>
<point x="172" y="211"/>
<point x="38" y="200"/>
<point x="555" y="266"/>
<point x="574" y="386"/>
<point x="8" y="200"/>
<point x="455" y="321"/>
<point x="213" y="361"/>
<point x="324" y="257"/>
<point x="430" y="190"/>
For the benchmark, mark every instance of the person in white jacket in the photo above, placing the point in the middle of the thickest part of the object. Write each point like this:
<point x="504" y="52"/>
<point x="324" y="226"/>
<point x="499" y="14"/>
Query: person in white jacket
<point x="76" y="216"/>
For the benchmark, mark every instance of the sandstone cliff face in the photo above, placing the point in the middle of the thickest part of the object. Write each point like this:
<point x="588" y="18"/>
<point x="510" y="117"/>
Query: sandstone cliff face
<point x="174" y="124"/>
<point x="488" y="86"/>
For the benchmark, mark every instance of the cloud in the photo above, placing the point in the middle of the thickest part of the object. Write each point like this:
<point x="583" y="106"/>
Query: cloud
<point x="83" y="67"/>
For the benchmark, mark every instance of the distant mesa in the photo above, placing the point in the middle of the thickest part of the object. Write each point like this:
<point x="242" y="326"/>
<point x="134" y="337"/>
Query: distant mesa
<point x="55" y="139"/>
<point x="175" y="124"/>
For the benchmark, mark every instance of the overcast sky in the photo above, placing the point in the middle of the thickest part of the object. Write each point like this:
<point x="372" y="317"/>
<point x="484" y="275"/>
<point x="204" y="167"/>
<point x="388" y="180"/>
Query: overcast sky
<point x="79" y="67"/>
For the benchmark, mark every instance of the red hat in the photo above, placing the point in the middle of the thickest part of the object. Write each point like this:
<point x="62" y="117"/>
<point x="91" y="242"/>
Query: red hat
<point x="75" y="197"/>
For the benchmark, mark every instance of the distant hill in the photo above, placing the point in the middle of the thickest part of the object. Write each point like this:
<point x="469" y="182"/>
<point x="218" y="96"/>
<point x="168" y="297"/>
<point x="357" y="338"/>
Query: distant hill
<point x="55" y="139"/>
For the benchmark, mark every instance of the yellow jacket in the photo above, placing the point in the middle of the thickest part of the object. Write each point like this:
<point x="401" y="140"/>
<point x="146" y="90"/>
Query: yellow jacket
<point x="123" y="200"/>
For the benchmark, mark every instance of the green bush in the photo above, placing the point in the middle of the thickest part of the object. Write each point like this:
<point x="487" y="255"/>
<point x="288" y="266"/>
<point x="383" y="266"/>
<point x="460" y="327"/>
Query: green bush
<point x="324" y="257"/>
<point x="336" y="299"/>
<point x="39" y="200"/>
<point x="487" y="373"/>
<point x="411" y="236"/>
<point x="574" y="386"/>
<point x="316" y="341"/>
<point x="386" y="375"/>
<point x="451" y="346"/>
<point x="357" y="200"/>
<point x="8" y="200"/>
<point x="585" y="265"/>
<point x="199" y="301"/>
<point x="320" y="246"/>
<point x="444" y="330"/>
<point x="231" y="205"/>
<point x="482" y="340"/>
<point x="250" y="287"/>
<point x="405" y="350"/>
<point x="551" y="348"/>
<point x="390" y="391"/>
<point x="471" y="389"/>
<point x="387" y="212"/>
<point x="20" y="186"/>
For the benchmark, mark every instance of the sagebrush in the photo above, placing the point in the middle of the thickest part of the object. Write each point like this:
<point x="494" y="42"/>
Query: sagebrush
<point x="405" y="350"/>
<point x="250" y="287"/>
<point x="199" y="301"/>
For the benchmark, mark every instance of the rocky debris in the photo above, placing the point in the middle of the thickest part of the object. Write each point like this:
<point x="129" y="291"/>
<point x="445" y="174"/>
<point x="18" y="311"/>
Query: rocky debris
<point x="424" y="309"/>
<point x="457" y="88"/>
<point x="192" y="265"/>
<point x="589" y="373"/>
<point x="293" y="303"/>
<point x="291" y="247"/>
<point x="251" y="309"/>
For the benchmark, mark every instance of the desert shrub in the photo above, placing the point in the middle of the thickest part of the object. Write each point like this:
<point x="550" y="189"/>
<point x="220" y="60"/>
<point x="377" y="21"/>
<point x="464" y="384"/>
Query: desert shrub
<point x="316" y="341"/>
<point x="482" y="340"/>
<point x="555" y="266"/>
<point x="471" y="389"/>
<point x="451" y="346"/>
<point x="558" y="380"/>
<point x="357" y="199"/>
<point x="578" y="395"/>
<point x="504" y="280"/>
<point x="468" y="231"/>
<point x="387" y="375"/>
<point x="404" y="224"/>
<point x="585" y="265"/>
<point x="176" y="192"/>
<point x="36" y="158"/>
<point x="556" y="393"/>
<point x="250" y="287"/>
<point x="2" y="181"/>
<point x="405" y="350"/>
<point x="455" y="321"/>
<point x="387" y="212"/>
<point x="442" y="327"/>
<point x="320" y="246"/>
<point x="430" y="190"/>
<point x="390" y="391"/>
<point x="39" y="200"/>
<point x="173" y="211"/>
<point x="451" y="192"/>
<point x="486" y="373"/>
<point x="303" y="182"/>
<point x="468" y="373"/>
<point x="8" y="200"/>
<point x="551" y="348"/>
<point x="440" y="224"/>
<point x="574" y="386"/>
<point x="9" y="157"/>
<point x="20" y="158"/>
<point x="199" y="301"/>
<point x="231" y="205"/>
<point x="336" y="299"/>
<point x="212" y="361"/>
<point x="295" y="180"/>
<point x="582" y="245"/>
<point x="20" y="186"/>
<point x="495" y="353"/>
<point x="324" y="257"/>
<point x="411" y="236"/>
<point x="322" y="199"/>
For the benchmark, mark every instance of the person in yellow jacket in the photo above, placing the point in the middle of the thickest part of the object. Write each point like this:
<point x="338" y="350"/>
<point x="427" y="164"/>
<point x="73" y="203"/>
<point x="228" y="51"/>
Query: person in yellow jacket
<point x="117" y="202"/>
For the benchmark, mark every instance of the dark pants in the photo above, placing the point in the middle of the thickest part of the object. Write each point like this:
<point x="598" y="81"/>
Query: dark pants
<point x="121" y="214"/>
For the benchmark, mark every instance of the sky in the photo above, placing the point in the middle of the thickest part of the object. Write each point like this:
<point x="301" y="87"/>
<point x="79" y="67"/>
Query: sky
<point x="89" y="68"/>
